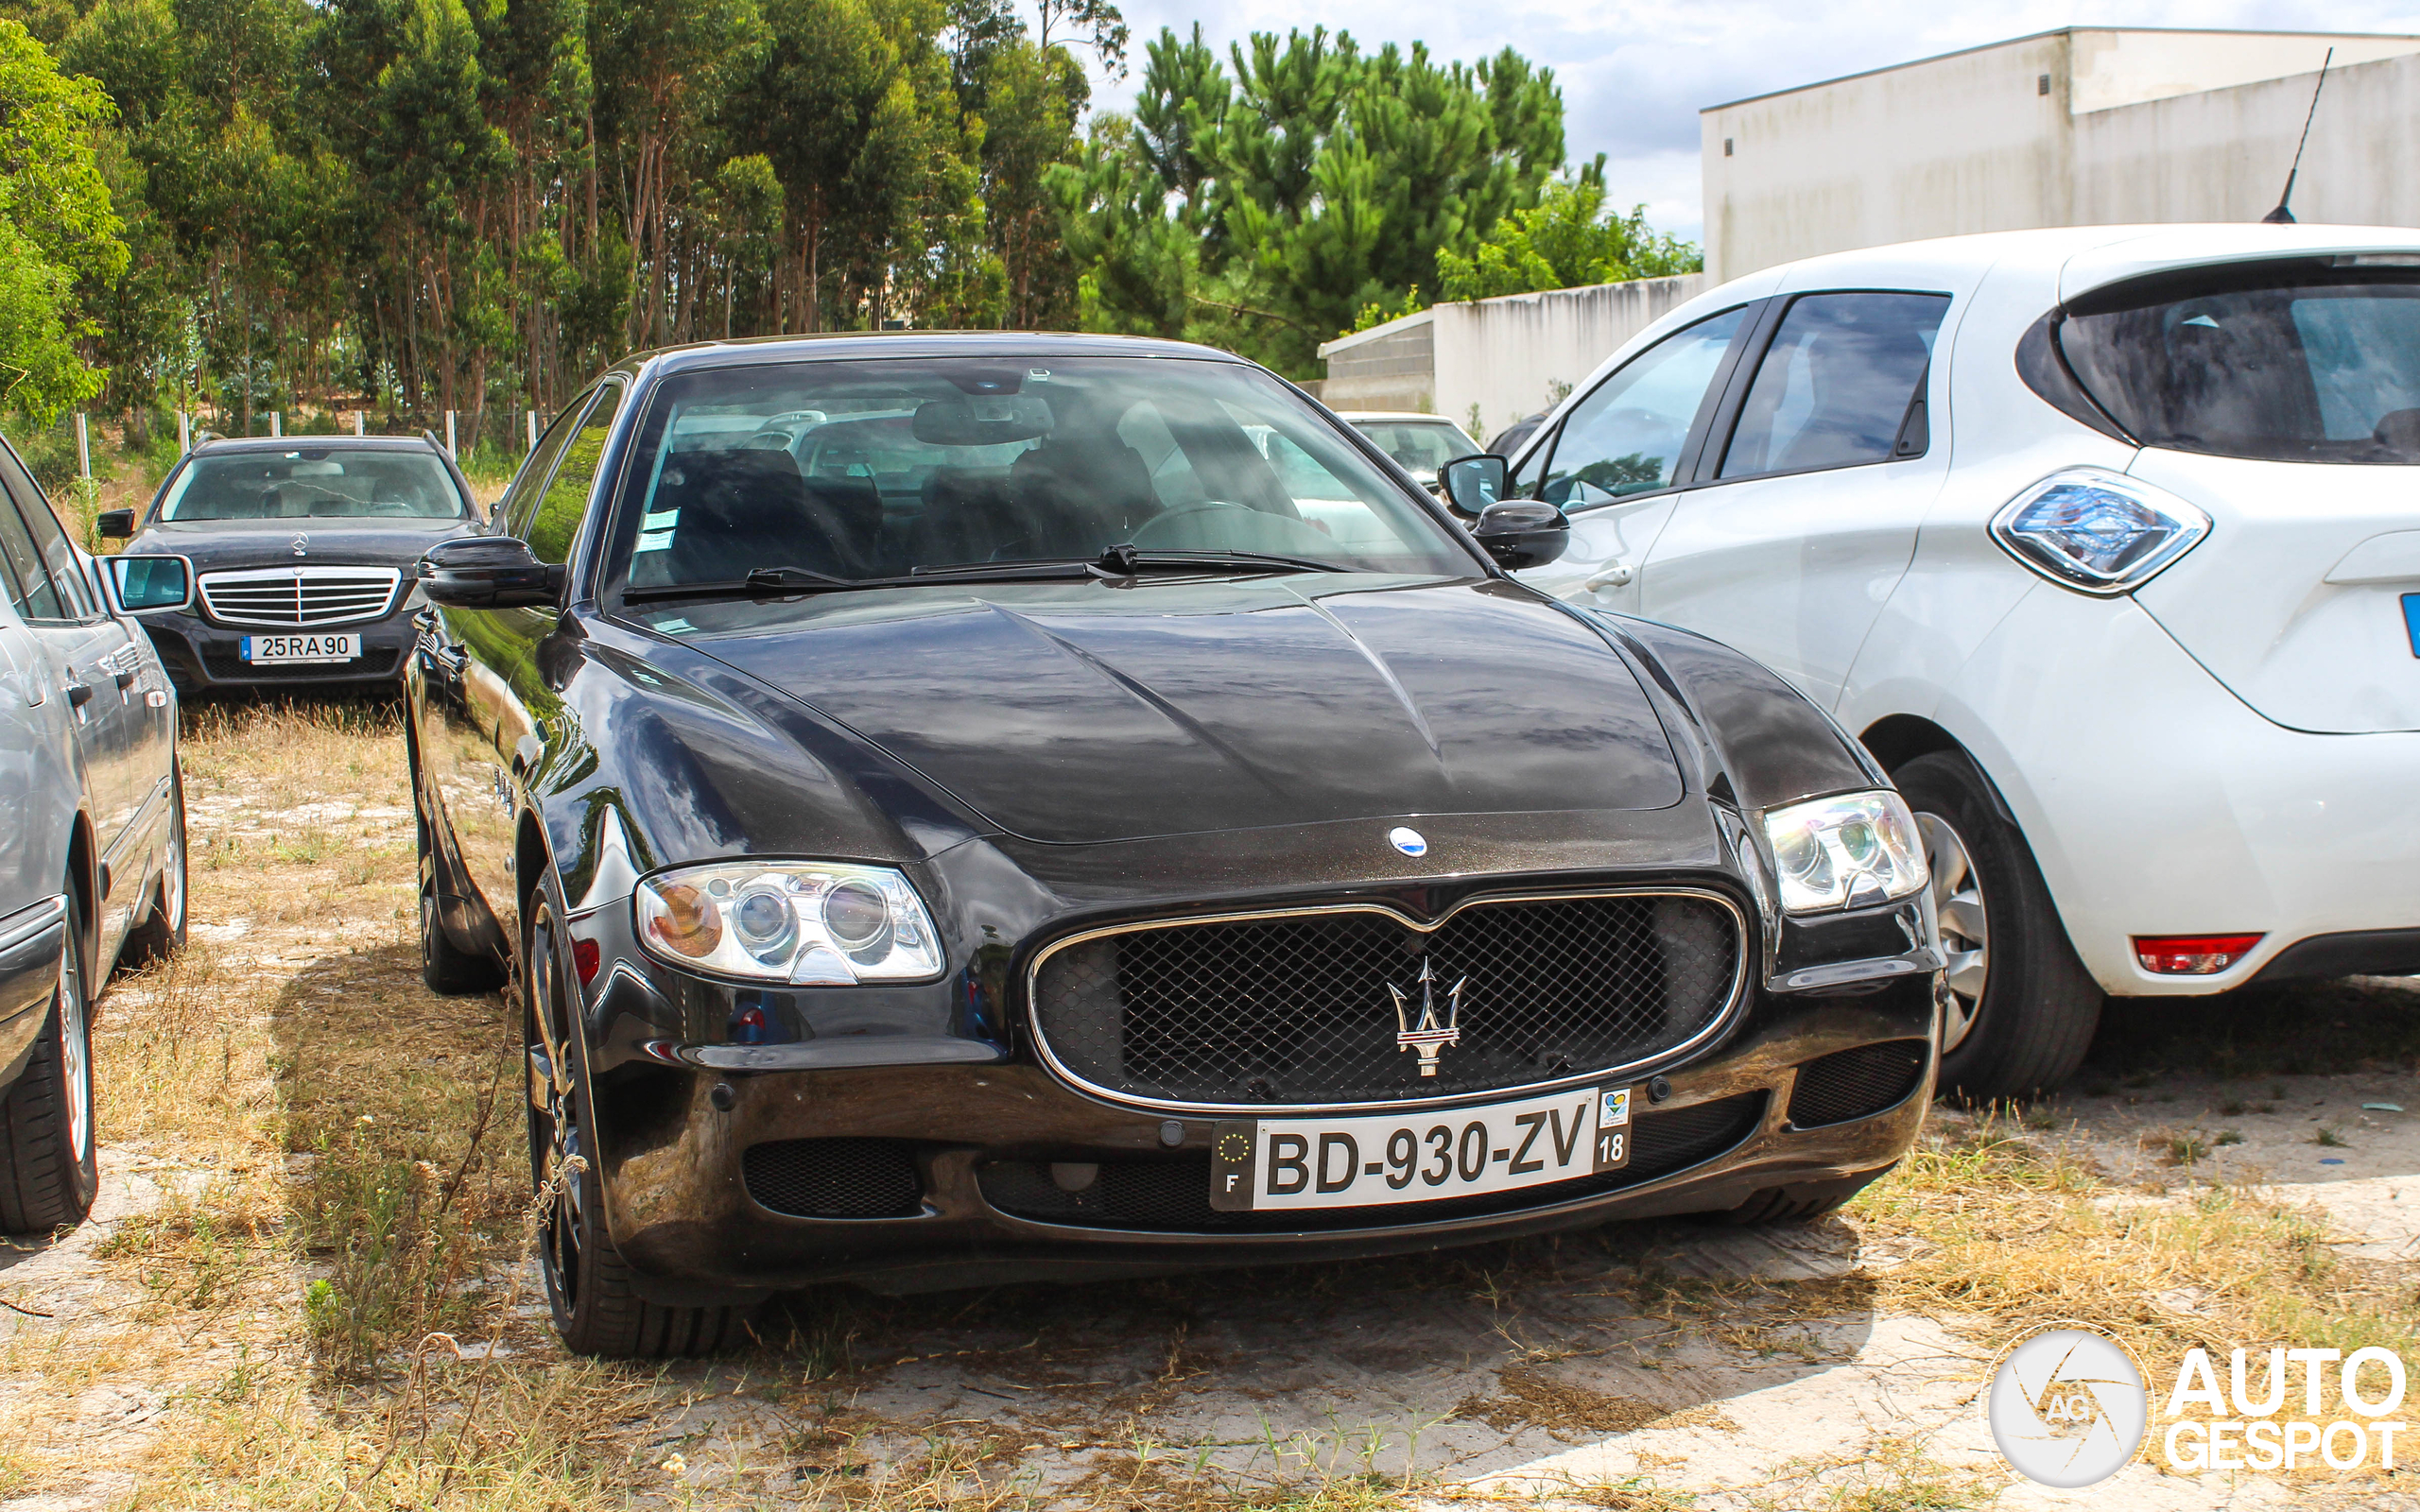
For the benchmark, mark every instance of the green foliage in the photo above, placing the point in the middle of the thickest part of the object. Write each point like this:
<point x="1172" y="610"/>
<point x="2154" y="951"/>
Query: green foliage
<point x="56" y="226"/>
<point x="1266" y="203"/>
<point x="1377" y="314"/>
<point x="1565" y="241"/>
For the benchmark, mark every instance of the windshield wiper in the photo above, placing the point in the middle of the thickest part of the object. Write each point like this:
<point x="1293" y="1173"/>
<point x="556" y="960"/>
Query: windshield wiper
<point x="1126" y="560"/>
<point x="1118" y="562"/>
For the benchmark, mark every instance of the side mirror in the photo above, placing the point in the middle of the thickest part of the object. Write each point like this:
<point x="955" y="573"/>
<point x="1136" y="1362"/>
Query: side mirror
<point x="1471" y="484"/>
<point x="114" y="524"/>
<point x="1522" y="533"/>
<point x="488" y="572"/>
<point x="145" y="584"/>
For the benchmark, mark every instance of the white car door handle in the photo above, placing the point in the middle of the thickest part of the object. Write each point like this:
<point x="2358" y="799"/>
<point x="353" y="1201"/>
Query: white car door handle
<point x="1612" y="573"/>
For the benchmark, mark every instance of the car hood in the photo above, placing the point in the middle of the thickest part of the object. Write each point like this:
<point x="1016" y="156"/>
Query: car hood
<point x="1087" y="712"/>
<point x="230" y="543"/>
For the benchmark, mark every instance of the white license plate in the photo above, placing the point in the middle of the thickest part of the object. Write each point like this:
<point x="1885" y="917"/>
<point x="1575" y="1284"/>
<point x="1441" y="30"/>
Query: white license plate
<point x="302" y="648"/>
<point x="1261" y="1165"/>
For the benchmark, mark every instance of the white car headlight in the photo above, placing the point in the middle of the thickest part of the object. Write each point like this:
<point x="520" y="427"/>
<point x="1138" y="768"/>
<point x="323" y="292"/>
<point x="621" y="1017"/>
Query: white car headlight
<point x="2098" y="531"/>
<point x="1852" y="851"/>
<point x="806" y="923"/>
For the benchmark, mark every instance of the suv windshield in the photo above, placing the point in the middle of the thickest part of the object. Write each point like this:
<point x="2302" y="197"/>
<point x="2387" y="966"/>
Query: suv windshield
<point x="2300" y="363"/>
<point x="314" y="483"/>
<point x="879" y="469"/>
<point x="1421" y="446"/>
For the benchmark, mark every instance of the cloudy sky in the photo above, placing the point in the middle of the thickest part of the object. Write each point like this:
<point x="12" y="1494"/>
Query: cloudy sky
<point x="1634" y="72"/>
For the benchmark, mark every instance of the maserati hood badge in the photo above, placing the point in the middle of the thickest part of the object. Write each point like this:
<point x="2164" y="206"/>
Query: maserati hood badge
<point x="1429" y="1036"/>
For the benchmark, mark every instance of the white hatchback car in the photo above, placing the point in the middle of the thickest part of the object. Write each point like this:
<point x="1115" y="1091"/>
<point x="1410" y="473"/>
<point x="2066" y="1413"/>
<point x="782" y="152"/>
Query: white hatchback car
<point x="2108" y="542"/>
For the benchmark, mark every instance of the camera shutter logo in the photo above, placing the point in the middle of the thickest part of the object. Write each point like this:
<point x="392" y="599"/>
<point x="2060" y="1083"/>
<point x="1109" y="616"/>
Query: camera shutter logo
<point x="2068" y="1408"/>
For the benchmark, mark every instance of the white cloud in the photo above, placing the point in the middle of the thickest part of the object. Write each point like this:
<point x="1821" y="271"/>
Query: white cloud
<point x="1634" y="74"/>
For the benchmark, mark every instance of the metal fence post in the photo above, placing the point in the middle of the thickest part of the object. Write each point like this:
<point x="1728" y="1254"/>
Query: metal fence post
<point x="83" y="447"/>
<point x="449" y="435"/>
<point x="357" y="417"/>
<point x="184" y="432"/>
<point x="276" y="422"/>
<point x="533" y="430"/>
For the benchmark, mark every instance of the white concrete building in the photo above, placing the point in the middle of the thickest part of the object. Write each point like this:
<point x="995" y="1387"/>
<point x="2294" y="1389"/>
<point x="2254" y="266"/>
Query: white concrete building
<point x="1500" y="358"/>
<point x="2084" y="125"/>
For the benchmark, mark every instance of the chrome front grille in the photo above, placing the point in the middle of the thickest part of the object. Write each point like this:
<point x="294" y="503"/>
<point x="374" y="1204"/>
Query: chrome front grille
<point x="297" y="597"/>
<point x="1300" y="1007"/>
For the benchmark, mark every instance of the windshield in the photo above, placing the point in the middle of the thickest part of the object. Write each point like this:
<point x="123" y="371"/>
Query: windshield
<point x="877" y="469"/>
<point x="1421" y="446"/>
<point x="2304" y="364"/>
<point x="316" y="483"/>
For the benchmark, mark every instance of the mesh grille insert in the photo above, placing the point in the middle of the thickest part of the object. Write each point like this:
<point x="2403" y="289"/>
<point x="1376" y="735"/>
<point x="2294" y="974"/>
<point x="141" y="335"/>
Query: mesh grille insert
<point x="1298" y="1010"/>
<point x="1851" y="1084"/>
<point x="835" y="1178"/>
<point x="1174" y="1193"/>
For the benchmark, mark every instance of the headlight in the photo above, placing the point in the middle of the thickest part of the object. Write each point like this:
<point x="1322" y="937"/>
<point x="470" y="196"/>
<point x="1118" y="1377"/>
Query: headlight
<point x="809" y="923"/>
<point x="2098" y="531"/>
<point x="1853" y="851"/>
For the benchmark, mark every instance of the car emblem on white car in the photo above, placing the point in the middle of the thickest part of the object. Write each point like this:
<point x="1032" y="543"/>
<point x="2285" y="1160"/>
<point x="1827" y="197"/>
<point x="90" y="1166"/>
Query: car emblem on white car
<point x="302" y="544"/>
<point x="1428" y="1037"/>
<point x="1410" y="842"/>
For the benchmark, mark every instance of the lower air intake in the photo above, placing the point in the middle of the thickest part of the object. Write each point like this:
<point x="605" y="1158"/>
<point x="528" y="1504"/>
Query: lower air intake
<point x="835" y="1178"/>
<point x="1860" y="1083"/>
<point x="1173" y="1194"/>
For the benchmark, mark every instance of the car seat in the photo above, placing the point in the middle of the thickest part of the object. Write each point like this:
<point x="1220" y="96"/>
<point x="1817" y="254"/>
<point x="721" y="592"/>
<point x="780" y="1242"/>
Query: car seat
<point x="739" y="510"/>
<point x="1082" y="496"/>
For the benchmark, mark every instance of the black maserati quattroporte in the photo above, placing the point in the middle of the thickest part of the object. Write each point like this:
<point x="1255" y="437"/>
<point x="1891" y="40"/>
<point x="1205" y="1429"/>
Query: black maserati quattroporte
<point x="972" y="808"/>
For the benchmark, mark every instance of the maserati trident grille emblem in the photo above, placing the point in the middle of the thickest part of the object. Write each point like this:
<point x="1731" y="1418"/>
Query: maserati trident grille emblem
<point x="1429" y="1036"/>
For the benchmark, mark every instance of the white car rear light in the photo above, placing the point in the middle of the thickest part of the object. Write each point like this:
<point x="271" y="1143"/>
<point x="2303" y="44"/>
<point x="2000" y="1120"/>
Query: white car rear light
<point x="2098" y="531"/>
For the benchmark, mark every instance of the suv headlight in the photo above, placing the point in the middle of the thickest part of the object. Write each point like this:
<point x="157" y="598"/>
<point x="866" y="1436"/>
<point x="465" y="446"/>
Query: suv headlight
<point x="807" y="924"/>
<point x="1852" y="851"/>
<point x="2098" y="531"/>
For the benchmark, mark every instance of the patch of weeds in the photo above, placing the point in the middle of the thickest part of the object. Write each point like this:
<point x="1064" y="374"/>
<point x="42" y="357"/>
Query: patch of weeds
<point x="2327" y="1137"/>
<point x="2232" y="1108"/>
<point x="1633" y="1493"/>
<point x="2227" y="1137"/>
<point x="2185" y="1147"/>
<point x="1898" y="1476"/>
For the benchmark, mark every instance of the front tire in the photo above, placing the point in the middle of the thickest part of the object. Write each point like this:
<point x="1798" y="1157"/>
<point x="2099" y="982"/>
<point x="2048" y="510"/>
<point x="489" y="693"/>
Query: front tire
<point x="2021" y="1008"/>
<point x="591" y="1292"/>
<point x="49" y="1161"/>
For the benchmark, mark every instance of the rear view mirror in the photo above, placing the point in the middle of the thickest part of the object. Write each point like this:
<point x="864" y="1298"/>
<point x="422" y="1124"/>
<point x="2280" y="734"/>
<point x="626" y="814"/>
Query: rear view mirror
<point x="981" y="420"/>
<point x="1522" y="532"/>
<point x="145" y="584"/>
<point x="113" y="524"/>
<point x="488" y="572"/>
<point x="1473" y="483"/>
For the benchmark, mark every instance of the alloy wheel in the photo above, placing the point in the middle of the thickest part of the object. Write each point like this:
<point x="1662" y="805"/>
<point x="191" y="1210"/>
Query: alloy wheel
<point x="75" y="1052"/>
<point x="1965" y="930"/>
<point x="554" y="1122"/>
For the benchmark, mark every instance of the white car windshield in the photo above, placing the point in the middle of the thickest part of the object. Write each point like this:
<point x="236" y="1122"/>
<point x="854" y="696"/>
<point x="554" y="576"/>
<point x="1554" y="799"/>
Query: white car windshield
<point x="884" y="467"/>
<point x="2291" y="363"/>
<point x="1421" y="446"/>
<point x="313" y="483"/>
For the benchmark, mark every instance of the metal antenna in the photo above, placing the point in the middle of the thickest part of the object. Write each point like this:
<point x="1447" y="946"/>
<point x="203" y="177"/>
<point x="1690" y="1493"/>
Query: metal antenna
<point x="2281" y="216"/>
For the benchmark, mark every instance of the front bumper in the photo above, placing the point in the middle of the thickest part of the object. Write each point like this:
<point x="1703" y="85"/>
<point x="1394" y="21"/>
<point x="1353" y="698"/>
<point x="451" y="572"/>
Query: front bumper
<point x="2157" y="803"/>
<point x="202" y="654"/>
<point x="710" y="1152"/>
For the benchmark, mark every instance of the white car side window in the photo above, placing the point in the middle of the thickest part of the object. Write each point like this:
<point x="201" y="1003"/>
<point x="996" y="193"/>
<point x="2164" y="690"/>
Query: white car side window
<point x="1626" y="436"/>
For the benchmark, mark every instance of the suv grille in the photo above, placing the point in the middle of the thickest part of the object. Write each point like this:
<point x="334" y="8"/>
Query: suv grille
<point x="287" y="597"/>
<point x="1174" y="1193"/>
<point x="1296" y="1009"/>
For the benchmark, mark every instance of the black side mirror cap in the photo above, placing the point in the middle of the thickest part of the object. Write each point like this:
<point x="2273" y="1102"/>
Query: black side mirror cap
<point x="114" y="524"/>
<point x="1522" y="533"/>
<point x="1470" y="484"/>
<point x="489" y="572"/>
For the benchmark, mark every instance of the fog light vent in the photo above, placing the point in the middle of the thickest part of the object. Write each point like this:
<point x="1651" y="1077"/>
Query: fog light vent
<point x="835" y="1178"/>
<point x="1856" y="1083"/>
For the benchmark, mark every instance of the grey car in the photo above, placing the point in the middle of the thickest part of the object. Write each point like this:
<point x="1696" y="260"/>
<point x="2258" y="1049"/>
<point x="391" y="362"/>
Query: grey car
<point x="92" y="830"/>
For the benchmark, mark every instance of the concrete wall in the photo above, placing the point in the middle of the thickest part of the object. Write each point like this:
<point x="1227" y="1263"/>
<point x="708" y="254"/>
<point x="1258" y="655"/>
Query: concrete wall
<point x="1518" y="354"/>
<point x="2135" y="125"/>
<point x="1389" y="367"/>
<point x="2223" y="154"/>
